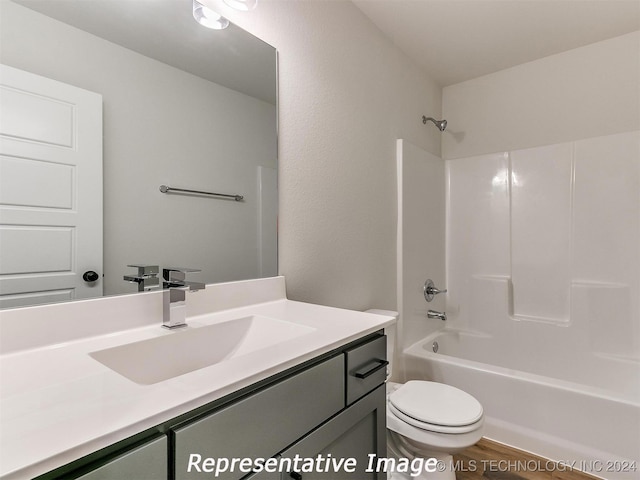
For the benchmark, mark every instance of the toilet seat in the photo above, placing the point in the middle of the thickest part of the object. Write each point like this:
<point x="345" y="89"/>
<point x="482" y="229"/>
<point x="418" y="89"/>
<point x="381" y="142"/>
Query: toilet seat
<point x="431" y="427"/>
<point x="436" y="407"/>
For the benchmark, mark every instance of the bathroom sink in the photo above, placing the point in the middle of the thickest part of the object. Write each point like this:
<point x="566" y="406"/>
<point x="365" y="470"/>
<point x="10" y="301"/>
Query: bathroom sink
<point x="181" y="351"/>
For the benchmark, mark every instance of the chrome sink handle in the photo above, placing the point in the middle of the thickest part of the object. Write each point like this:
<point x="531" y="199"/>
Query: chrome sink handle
<point x="146" y="278"/>
<point x="430" y="290"/>
<point x="175" y="277"/>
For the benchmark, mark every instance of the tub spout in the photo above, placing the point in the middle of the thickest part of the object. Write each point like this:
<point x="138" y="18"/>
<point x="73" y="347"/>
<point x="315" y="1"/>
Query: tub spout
<point x="433" y="314"/>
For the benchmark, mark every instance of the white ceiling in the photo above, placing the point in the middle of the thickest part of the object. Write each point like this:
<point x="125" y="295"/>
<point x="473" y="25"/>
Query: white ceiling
<point x="456" y="40"/>
<point x="452" y="40"/>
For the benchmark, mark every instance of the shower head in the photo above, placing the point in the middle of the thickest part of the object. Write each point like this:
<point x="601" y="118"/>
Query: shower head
<point x="441" y="124"/>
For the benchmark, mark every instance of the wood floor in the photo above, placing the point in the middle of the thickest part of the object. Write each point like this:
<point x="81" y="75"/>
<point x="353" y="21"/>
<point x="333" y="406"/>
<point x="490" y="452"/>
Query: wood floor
<point x="489" y="460"/>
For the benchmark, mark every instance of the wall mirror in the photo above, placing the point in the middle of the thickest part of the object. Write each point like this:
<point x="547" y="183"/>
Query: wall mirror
<point x="182" y="106"/>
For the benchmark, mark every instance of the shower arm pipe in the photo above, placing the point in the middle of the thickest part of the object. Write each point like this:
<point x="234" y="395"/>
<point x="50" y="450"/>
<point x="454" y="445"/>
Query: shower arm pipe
<point x="441" y="124"/>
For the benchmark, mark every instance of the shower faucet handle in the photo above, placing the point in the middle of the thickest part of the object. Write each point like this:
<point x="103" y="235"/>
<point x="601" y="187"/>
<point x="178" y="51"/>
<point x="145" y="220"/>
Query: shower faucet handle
<point x="430" y="290"/>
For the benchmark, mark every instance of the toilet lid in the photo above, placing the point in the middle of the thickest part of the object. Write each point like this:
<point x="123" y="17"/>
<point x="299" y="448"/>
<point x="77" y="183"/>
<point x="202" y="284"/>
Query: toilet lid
<point x="436" y="404"/>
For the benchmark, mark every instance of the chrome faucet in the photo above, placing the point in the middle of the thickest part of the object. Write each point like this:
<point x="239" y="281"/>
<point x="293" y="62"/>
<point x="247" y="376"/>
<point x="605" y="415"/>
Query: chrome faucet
<point x="147" y="277"/>
<point x="440" y="315"/>
<point x="174" y="307"/>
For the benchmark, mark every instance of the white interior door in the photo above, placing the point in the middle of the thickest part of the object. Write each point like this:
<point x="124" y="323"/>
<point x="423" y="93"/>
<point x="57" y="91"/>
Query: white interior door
<point x="50" y="190"/>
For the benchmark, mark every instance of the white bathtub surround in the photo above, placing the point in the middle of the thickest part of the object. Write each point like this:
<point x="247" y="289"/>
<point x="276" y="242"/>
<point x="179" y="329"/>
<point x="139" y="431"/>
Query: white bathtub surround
<point x="421" y="244"/>
<point x="542" y="253"/>
<point x="541" y="187"/>
<point x="49" y="382"/>
<point x="543" y="250"/>
<point x="544" y="290"/>
<point x="558" y="279"/>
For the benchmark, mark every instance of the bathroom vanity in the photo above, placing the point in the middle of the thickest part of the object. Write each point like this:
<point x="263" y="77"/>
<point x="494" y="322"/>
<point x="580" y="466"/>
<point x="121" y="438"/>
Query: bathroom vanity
<point x="317" y="393"/>
<point x="284" y="416"/>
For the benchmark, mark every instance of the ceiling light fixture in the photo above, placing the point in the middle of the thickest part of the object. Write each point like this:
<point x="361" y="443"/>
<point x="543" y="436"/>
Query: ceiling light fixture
<point x="208" y="18"/>
<point x="242" y="5"/>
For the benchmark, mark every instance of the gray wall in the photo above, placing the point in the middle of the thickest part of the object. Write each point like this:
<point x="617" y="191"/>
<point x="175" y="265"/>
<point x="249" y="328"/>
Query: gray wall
<point x="582" y="93"/>
<point x="346" y="94"/>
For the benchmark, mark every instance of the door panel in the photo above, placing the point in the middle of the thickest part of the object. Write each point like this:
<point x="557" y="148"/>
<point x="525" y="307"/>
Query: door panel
<point x="50" y="189"/>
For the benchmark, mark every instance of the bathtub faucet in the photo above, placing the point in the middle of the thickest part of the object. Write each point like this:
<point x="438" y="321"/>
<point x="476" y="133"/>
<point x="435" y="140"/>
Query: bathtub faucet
<point x="433" y="314"/>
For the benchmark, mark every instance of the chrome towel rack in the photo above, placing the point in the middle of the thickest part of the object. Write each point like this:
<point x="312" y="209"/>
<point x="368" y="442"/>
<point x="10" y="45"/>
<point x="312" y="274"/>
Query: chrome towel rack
<point x="167" y="189"/>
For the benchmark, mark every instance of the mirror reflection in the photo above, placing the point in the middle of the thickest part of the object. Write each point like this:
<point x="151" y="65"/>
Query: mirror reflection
<point x="178" y="105"/>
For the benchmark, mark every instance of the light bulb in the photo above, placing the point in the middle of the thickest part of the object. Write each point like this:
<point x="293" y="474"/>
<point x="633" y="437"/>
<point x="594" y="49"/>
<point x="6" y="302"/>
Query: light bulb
<point x="208" y="18"/>
<point x="242" y="5"/>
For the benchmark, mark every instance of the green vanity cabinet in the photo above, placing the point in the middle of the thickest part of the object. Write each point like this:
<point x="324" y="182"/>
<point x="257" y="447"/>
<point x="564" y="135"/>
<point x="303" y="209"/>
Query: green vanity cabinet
<point x="142" y="461"/>
<point x="351" y="436"/>
<point x="355" y="433"/>
<point x="264" y="423"/>
<point x="331" y="407"/>
<point x="148" y="461"/>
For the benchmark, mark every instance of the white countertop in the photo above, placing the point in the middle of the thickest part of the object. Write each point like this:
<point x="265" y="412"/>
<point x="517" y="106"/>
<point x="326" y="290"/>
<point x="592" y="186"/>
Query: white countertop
<point x="58" y="404"/>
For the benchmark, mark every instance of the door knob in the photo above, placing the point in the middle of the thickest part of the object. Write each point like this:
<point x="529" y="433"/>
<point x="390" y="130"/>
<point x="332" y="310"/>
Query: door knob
<point x="90" y="276"/>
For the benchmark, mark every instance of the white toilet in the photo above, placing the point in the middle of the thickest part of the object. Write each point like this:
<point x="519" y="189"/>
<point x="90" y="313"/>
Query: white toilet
<point x="429" y="420"/>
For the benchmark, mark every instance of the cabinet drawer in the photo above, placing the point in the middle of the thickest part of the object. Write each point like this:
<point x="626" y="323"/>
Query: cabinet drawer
<point x="366" y="367"/>
<point x="261" y="425"/>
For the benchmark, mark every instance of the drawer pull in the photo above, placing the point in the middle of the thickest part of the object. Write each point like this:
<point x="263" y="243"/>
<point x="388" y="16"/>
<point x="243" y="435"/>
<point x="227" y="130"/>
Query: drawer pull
<point x="365" y="372"/>
<point x="295" y="476"/>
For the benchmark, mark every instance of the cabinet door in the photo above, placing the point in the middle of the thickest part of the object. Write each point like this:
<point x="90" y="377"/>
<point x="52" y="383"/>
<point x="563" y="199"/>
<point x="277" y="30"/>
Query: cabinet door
<point x="148" y="462"/>
<point x="262" y="424"/>
<point x="357" y="434"/>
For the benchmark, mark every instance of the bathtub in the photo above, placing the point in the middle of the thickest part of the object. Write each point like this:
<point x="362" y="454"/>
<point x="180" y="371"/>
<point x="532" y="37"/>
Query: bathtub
<point x="593" y="425"/>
